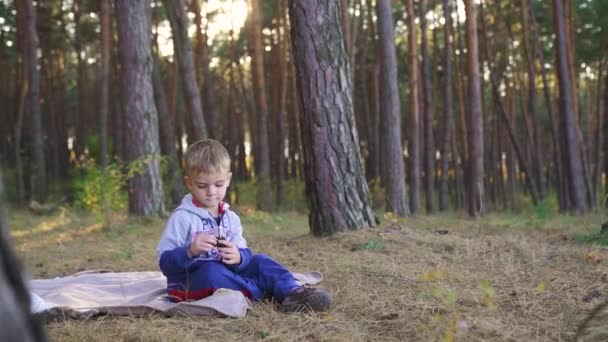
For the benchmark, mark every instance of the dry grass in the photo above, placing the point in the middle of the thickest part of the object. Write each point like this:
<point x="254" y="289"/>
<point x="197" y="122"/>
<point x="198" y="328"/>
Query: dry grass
<point x="504" y="278"/>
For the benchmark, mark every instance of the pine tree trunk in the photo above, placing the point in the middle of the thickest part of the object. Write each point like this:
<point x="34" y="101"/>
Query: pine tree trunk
<point x="447" y="108"/>
<point x="33" y="100"/>
<point x="557" y="155"/>
<point x="427" y="114"/>
<point x="176" y="13"/>
<point x="394" y="170"/>
<point x="262" y="148"/>
<point x="338" y="196"/>
<point x="146" y="195"/>
<point x="204" y="76"/>
<point x="572" y="148"/>
<point x="529" y="51"/>
<point x="80" y="118"/>
<point x="167" y="137"/>
<point x="281" y="106"/>
<point x="18" y="324"/>
<point x="104" y="79"/>
<point x="523" y="162"/>
<point x="414" y="122"/>
<point x="475" y="137"/>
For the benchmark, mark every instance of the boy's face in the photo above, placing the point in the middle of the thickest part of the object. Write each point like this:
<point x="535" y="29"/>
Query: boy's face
<point x="209" y="189"/>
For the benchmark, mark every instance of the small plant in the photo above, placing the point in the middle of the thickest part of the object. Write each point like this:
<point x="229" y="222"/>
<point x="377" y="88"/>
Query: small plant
<point x="372" y="244"/>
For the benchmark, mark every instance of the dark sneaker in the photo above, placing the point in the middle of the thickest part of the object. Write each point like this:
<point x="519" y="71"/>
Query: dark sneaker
<point x="306" y="299"/>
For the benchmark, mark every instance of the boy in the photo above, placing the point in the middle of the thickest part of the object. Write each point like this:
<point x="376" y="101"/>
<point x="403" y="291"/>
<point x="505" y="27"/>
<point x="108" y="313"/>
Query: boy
<point x="202" y="248"/>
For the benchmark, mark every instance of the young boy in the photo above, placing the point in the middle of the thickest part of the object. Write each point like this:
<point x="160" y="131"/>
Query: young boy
<point x="202" y="248"/>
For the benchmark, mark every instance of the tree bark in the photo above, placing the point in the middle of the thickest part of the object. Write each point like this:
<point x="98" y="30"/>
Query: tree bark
<point x="394" y="169"/>
<point x="338" y="196"/>
<point x="281" y="106"/>
<point x="104" y="80"/>
<point x="414" y="122"/>
<point x="33" y="100"/>
<point x="146" y="195"/>
<point x="557" y="155"/>
<point x="80" y="118"/>
<point x="529" y="51"/>
<point x="523" y="162"/>
<point x="262" y="148"/>
<point x="18" y="324"/>
<point x="204" y="76"/>
<point x="475" y="137"/>
<point x="427" y="114"/>
<point x="167" y="138"/>
<point x="572" y="148"/>
<point x="447" y="107"/>
<point x="176" y="14"/>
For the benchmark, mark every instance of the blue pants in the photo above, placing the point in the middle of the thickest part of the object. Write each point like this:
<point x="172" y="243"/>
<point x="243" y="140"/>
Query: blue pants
<point x="263" y="276"/>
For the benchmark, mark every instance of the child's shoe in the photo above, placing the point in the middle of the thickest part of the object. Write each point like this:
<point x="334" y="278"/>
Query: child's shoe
<point x="306" y="298"/>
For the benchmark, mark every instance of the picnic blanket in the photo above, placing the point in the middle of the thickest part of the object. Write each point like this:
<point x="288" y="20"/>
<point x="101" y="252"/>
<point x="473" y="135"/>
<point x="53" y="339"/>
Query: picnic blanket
<point x="89" y="293"/>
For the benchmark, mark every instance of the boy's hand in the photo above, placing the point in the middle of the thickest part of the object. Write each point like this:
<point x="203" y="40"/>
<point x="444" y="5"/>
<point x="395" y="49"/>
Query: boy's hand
<point x="202" y="243"/>
<point x="229" y="253"/>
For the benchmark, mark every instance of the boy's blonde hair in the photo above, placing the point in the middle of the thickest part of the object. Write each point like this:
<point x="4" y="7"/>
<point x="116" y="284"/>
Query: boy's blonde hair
<point x="208" y="156"/>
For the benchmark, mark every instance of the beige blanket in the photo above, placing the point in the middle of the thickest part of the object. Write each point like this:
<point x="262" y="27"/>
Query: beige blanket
<point x="134" y="294"/>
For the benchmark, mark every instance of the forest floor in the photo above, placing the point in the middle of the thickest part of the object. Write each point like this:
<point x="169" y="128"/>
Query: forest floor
<point x="443" y="277"/>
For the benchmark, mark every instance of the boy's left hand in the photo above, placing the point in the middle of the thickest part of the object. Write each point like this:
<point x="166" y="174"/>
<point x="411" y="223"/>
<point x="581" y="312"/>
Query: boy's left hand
<point x="229" y="253"/>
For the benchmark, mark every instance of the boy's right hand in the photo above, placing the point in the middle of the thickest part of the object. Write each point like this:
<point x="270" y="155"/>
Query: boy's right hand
<point x="202" y="243"/>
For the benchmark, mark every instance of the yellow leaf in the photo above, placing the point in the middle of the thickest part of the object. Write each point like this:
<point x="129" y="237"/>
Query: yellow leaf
<point x="541" y="287"/>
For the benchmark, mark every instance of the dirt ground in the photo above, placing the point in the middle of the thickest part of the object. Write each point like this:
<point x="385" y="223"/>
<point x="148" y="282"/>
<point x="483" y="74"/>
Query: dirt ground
<point x="502" y="278"/>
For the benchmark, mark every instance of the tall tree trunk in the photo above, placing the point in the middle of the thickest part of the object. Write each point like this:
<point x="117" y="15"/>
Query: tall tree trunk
<point x="475" y="137"/>
<point x="79" y="119"/>
<point x="572" y="148"/>
<point x="427" y="114"/>
<point x="557" y="156"/>
<point x="529" y="51"/>
<point x="33" y="99"/>
<point x="393" y="170"/>
<point x="204" y="76"/>
<point x="338" y="196"/>
<point x="104" y="79"/>
<point x="447" y="107"/>
<point x="146" y="195"/>
<point x="18" y="324"/>
<point x="167" y="138"/>
<point x="523" y="162"/>
<point x="414" y="122"/>
<point x="262" y="148"/>
<point x="176" y="13"/>
<point x="281" y="106"/>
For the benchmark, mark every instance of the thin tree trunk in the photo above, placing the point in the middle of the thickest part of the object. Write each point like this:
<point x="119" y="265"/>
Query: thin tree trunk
<point x="427" y="114"/>
<point x="523" y="162"/>
<point x="176" y="14"/>
<point x="338" y="196"/>
<point x="262" y="150"/>
<point x="414" y="122"/>
<point x="475" y="183"/>
<point x="80" y="118"/>
<point x="33" y="99"/>
<point x="529" y="51"/>
<point x="281" y="107"/>
<point x="572" y="148"/>
<point x="394" y="170"/>
<point x="167" y="138"/>
<point x="559" y="168"/>
<point x="145" y="188"/>
<point x="204" y="76"/>
<point x="447" y="107"/>
<point x="104" y="80"/>
<point x="599" y="139"/>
